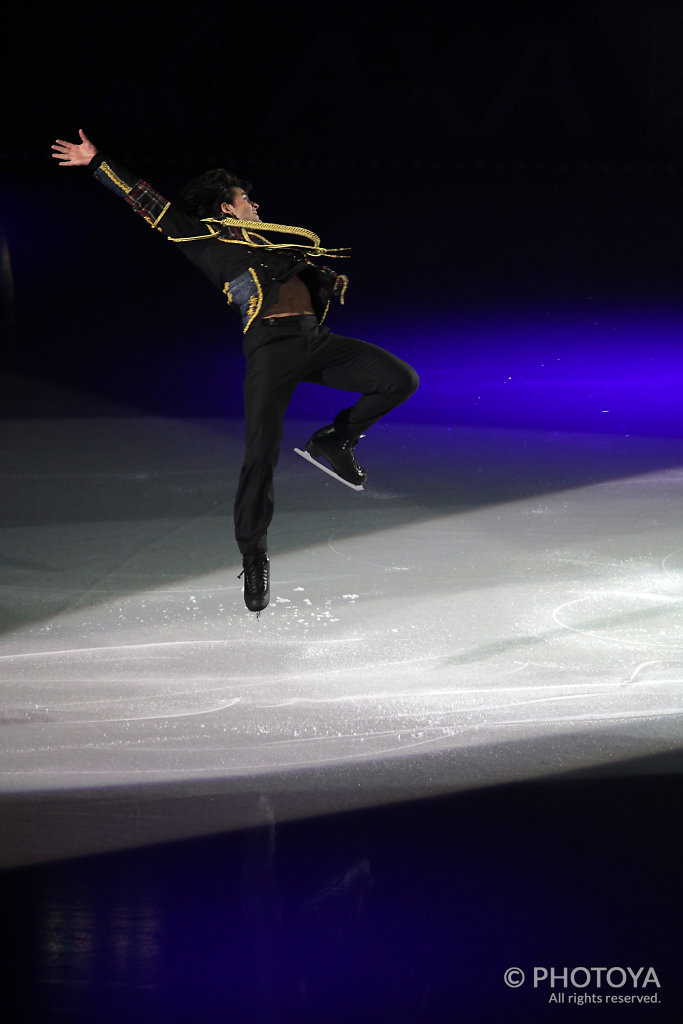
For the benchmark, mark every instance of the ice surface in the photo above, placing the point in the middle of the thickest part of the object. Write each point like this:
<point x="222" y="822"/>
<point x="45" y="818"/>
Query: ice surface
<point x="496" y="605"/>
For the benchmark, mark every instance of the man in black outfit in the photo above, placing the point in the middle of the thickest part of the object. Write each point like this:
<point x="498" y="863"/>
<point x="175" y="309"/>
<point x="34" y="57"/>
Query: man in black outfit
<point x="282" y="295"/>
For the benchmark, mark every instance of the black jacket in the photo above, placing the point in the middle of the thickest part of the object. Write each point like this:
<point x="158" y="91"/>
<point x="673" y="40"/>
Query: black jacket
<point x="245" y="266"/>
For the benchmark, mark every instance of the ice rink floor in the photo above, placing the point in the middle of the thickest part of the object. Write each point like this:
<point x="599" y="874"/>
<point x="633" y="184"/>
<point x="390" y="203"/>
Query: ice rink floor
<point x="495" y="606"/>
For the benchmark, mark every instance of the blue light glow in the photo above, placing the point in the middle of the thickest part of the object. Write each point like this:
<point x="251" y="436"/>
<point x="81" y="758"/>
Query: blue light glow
<point x="613" y="370"/>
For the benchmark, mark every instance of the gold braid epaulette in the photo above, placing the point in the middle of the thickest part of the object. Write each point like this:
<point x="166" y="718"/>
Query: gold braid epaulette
<point x="232" y="222"/>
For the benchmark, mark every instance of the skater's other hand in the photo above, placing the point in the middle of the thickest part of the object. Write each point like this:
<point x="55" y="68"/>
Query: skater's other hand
<point x="74" y="154"/>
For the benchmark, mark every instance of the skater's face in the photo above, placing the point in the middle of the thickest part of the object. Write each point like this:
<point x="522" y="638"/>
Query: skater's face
<point x="241" y="206"/>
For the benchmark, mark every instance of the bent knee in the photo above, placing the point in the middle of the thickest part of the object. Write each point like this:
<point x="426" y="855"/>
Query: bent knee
<point x="409" y="382"/>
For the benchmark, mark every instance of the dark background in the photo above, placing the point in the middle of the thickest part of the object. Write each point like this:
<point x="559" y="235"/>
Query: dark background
<point x="507" y="176"/>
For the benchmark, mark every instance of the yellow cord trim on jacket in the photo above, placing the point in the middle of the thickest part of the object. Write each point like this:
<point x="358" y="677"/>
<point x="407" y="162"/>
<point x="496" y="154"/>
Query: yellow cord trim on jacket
<point x="306" y="249"/>
<point x="263" y="243"/>
<point x="104" y="166"/>
<point x="155" y="223"/>
<point x="195" y="238"/>
<point x="254" y="304"/>
<point x="232" y="222"/>
<point x="259" y="238"/>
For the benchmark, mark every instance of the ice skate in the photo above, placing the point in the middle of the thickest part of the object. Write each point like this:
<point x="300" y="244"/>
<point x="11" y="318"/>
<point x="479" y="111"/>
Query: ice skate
<point x="338" y="452"/>
<point x="256" y="572"/>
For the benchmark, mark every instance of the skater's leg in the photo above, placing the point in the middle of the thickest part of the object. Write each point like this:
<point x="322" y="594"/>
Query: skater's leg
<point x="352" y="365"/>
<point x="271" y="376"/>
<point x="384" y="380"/>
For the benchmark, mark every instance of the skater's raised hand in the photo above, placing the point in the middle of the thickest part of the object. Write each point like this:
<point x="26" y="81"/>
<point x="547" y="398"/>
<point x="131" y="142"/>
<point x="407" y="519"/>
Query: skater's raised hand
<point x="74" y="154"/>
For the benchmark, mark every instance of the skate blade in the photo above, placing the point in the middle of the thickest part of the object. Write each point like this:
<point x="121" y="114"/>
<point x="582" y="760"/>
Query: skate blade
<point x="330" y="472"/>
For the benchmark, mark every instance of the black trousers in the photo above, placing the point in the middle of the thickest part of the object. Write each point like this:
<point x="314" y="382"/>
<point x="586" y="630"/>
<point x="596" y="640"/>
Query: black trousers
<point x="284" y="351"/>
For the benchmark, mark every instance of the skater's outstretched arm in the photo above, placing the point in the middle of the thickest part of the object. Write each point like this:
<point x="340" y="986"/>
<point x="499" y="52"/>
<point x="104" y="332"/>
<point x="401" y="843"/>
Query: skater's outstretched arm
<point x="142" y="197"/>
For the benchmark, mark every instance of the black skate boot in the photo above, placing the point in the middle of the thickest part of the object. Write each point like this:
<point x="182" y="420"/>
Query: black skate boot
<point x="338" y="451"/>
<point x="256" y="572"/>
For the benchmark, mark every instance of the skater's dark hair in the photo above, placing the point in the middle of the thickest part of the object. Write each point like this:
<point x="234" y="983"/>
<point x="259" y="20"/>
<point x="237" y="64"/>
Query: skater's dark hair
<point x="202" y="197"/>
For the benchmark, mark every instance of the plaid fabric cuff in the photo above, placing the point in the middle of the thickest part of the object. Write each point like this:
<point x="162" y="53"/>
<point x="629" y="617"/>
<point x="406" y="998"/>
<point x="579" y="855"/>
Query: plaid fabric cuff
<point x="148" y="203"/>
